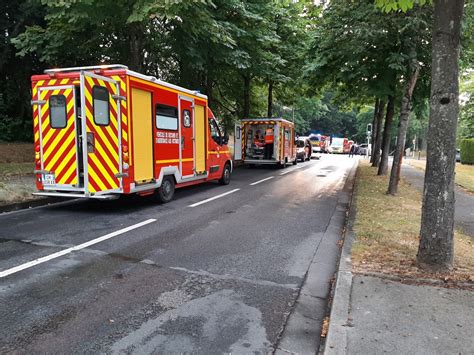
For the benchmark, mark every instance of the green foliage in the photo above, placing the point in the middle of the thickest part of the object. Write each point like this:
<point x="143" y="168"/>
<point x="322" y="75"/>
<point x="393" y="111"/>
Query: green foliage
<point x="365" y="53"/>
<point x="210" y="46"/>
<point x="403" y="5"/>
<point x="466" y="115"/>
<point x="467" y="151"/>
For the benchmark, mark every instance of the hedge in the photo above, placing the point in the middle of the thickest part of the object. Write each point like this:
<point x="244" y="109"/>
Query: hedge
<point x="467" y="151"/>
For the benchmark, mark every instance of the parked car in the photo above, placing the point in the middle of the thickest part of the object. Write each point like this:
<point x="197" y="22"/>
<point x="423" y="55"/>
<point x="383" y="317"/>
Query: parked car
<point x="303" y="148"/>
<point x="364" y="149"/>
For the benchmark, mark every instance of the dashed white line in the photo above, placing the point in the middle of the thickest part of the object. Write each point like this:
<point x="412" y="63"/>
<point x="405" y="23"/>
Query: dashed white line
<point x="259" y="181"/>
<point x="289" y="171"/>
<point x="75" y="248"/>
<point x="213" y="198"/>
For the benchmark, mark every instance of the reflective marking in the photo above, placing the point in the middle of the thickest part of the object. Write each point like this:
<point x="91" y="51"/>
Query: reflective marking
<point x="289" y="171"/>
<point x="69" y="250"/>
<point x="259" y="181"/>
<point x="213" y="198"/>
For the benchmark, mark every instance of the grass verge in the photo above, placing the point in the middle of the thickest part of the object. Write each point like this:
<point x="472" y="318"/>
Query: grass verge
<point x="464" y="173"/>
<point x="387" y="230"/>
<point x="8" y="169"/>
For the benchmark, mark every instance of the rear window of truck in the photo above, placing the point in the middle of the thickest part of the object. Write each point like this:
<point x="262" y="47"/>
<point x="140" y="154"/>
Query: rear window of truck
<point x="57" y="111"/>
<point x="100" y="97"/>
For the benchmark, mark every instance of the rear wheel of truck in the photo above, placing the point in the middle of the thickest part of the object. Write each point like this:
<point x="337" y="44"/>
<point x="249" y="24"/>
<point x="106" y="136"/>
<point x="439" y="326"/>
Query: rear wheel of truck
<point x="165" y="192"/>
<point x="225" y="179"/>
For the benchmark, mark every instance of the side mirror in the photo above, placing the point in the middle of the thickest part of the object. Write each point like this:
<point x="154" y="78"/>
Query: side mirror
<point x="225" y="139"/>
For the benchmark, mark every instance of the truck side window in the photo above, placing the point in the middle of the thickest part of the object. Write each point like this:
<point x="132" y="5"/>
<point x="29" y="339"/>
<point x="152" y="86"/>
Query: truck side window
<point x="166" y="117"/>
<point x="57" y="111"/>
<point x="215" y="132"/>
<point x="100" y="97"/>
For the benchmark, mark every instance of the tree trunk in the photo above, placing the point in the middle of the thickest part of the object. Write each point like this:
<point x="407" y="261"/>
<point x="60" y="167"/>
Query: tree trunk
<point x="387" y="135"/>
<point x="435" y="251"/>
<point x="135" y="41"/>
<point x="405" y="110"/>
<point x="270" y="99"/>
<point x="246" y="112"/>
<point x="377" y="145"/>
<point x="374" y="127"/>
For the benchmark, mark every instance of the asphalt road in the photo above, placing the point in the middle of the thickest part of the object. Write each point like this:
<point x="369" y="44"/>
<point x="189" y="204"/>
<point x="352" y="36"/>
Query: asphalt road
<point x="218" y="277"/>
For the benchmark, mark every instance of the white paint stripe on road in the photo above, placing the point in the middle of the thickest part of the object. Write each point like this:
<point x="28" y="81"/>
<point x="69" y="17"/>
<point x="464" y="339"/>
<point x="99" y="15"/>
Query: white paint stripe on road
<point x="213" y="198"/>
<point x="259" y="181"/>
<point x="75" y="248"/>
<point x="289" y="171"/>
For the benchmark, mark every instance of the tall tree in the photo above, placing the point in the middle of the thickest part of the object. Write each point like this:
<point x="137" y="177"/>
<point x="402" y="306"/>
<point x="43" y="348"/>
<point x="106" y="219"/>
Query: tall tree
<point x="377" y="143"/>
<point x="387" y="133"/>
<point x="436" y="249"/>
<point x="437" y="221"/>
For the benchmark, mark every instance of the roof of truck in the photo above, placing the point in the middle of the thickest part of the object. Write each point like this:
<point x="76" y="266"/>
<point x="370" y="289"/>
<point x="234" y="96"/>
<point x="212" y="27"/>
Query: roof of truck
<point x="109" y="70"/>
<point x="266" y="119"/>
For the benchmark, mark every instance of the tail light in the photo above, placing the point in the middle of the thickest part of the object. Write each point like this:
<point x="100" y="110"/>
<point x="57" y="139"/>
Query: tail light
<point x="125" y="156"/>
<point x="37" y="154"/>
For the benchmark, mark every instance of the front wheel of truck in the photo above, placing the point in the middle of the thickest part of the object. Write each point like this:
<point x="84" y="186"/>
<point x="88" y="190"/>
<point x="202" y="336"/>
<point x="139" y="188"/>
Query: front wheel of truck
<point x="226" y="174"/>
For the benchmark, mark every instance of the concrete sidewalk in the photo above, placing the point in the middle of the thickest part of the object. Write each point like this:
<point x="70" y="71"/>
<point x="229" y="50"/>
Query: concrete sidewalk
<point x="464" y="208"/>
<point x="374" y="315"/>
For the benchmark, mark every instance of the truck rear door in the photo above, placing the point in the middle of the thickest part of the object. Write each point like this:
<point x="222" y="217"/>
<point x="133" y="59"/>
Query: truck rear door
<point x="101" y="146"/>
<point x="58" y="138"/>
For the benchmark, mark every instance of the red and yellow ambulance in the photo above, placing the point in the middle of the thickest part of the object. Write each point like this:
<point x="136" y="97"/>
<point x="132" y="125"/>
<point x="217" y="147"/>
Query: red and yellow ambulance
<point x="269" y="141"/>
<point x="103" y="131"/>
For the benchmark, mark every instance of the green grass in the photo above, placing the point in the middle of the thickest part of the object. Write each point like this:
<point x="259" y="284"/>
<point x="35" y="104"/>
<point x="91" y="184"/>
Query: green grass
<point x="387" y="229"/>
<point x="464" y="173"/>
<point x="9" y="169"/>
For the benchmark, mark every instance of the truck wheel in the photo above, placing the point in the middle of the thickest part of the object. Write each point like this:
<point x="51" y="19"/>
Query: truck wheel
<point x="225" y="179"/>
<point x="165" y="192"/>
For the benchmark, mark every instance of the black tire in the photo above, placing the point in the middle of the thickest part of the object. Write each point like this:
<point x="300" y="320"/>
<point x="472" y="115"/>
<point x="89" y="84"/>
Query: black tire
<point x="165" y="192"/>
<point x="295" y="161"/>
<point x="226" y="175"/>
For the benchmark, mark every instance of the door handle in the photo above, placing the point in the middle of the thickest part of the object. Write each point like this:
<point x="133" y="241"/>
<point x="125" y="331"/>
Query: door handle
<point x="90" y="142"/>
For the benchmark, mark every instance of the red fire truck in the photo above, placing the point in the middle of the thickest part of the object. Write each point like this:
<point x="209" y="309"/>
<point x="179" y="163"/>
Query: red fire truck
<point x="103" y="131"/>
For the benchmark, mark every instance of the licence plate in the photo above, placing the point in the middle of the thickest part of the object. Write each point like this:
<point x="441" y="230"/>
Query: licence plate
<point x="48" y="179"/>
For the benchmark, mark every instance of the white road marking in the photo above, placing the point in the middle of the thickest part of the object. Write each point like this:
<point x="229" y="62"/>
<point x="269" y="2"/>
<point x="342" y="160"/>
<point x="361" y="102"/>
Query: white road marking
<point x="259" y="181"/>
<point x="213" y="198"/>
<point x="289" y="171"/>
<point x="75" y="248"/>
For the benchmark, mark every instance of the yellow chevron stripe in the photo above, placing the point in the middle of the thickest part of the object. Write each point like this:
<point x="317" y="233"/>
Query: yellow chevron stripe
<point x="104" y="172"/>
<point x="64" y="81"/>
<point x="108" y="146"/>
<point x="66" y="160"/>
<point x="97" y="180"/>
<point x="69" y="156"/>
<point x="90" y="81"/>
<point x="58" y="153"/>
<point x="113" y="119"/>
<point x="68" y="173"/>
<point x="100" y="150"/>
<point x="52" y="82"/>
<point x="111" y="134"/>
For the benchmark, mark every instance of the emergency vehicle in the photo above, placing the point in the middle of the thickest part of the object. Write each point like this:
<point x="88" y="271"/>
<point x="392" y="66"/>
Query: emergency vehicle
<point x="268" y="141"/>
<point x="104" y="131"/>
